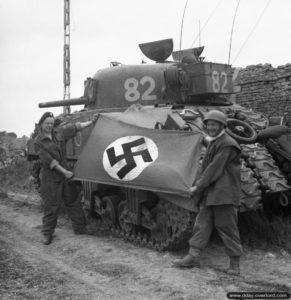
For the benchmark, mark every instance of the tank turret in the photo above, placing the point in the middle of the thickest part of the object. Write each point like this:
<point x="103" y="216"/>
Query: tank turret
<point x="185" y="79"/>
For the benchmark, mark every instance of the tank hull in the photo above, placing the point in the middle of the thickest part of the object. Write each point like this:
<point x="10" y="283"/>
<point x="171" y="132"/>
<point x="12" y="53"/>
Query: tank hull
<point x="146" y="199"/>
<point x="135" y="212"/>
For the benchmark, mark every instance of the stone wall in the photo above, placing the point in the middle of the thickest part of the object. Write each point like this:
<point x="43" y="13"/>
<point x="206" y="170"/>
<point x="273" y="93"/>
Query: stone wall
<point x="264" y="89"/>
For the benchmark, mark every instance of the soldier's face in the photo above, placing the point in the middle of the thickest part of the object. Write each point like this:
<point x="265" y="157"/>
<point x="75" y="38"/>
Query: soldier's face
<point x="47" y="125"/>
<point x="213" y="128"/>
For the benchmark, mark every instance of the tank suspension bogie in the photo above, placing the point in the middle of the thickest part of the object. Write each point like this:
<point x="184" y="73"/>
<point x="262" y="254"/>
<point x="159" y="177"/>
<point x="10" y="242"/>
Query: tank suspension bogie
<point x="145" y="219"/>
<point x="140" y="217"/>
<point x="172" y="231"/>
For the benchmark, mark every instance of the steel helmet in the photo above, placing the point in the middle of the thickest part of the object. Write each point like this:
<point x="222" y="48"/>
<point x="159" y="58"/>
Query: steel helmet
<point x="216" y="115"/>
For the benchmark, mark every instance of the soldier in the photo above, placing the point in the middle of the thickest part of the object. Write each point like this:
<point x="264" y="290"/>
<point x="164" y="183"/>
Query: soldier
<point x="36" y="163"/>
<point x="219" y="192"/>
<point x="50" y="144"/>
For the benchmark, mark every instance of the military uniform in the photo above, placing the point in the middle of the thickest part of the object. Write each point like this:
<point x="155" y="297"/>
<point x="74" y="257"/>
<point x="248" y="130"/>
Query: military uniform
<point x="219" y="186"/>
<point x="54" y="186"/>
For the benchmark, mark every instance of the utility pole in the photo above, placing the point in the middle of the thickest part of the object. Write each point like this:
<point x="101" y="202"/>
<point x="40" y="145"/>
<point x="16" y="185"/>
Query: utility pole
<point x="66" y="68"/>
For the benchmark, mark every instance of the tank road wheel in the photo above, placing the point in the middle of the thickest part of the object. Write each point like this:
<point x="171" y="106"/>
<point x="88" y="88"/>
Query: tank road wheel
<point x="109" y="210"/>
<point x="174" y="226"/>
<point x="126" y="228"/>
<point x="86" y="206"/>
<point x="241" y="131"/>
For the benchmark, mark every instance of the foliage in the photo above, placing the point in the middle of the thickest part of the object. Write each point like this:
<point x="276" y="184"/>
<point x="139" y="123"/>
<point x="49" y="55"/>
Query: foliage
<point x="16" y="177"/>
<point x="259" y="231"/>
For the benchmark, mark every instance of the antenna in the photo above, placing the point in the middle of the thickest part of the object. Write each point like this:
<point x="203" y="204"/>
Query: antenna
<point x="199" y="33"/>
<point x="252" y="31"/>
<point x="182" y="26"/>
<point x="232" y="26"/>
<point x="66" y="60"/>
<point x="209" y="18"/>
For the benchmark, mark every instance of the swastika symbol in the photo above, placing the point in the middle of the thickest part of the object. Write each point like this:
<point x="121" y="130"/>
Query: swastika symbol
<point x="127" y="157"/>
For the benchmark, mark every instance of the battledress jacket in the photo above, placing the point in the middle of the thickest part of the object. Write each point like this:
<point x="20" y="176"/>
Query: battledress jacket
<point x="219" y="182"/>
<point x="53" y="151"/>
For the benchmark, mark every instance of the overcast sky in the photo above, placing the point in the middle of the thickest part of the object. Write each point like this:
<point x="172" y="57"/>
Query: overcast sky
<point x="31" y="42"/>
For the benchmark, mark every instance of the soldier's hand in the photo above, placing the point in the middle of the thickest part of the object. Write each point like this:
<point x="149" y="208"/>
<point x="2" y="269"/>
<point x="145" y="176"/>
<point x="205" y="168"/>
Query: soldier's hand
<point x="193" y="189"/>
<point x="68" y="174"/>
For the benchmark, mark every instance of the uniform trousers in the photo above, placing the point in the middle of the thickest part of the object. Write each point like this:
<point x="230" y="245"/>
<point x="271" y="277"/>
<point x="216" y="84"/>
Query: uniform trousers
<point x="53" y="193"/>
<point x="224" y="219"/>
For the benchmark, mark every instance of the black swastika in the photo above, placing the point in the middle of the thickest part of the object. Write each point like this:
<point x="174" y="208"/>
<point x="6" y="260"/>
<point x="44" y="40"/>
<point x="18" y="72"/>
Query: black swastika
<point x="128" y="156"/>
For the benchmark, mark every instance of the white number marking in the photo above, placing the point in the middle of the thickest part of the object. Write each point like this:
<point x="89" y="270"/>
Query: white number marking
<point x="216" y="84"/>
<point x="146" y="95"/>
<point x="223" y="75"/>
<point x="132" y="94"/>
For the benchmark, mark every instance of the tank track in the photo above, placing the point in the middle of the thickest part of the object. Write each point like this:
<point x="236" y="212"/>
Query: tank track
<point x="175" y="225"/>
<point x="264" y="169"/>
<point x="251" y="192"/>
<point x="282" y="158"/>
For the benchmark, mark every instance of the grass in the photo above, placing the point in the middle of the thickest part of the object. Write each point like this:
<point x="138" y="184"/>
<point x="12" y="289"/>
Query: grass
<point x="259" y="231"/>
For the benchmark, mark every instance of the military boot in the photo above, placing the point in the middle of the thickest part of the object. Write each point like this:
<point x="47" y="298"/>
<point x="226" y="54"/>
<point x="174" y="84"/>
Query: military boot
<point x="189" y="261"/>
<point x="234" y="268"/>
<point x="47" y="239"/>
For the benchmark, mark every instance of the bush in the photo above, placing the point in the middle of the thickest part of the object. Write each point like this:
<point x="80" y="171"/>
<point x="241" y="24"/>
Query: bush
<point x="258" y="231"/>
<point x="16" y="177"/>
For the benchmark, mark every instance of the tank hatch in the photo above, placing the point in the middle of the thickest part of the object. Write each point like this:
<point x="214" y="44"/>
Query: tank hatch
<point x="188" y="55"/>
<point x="158" y="51"/>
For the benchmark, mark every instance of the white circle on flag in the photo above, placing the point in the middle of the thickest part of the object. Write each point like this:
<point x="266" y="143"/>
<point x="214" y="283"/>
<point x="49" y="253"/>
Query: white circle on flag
<point x="125" y="158"/>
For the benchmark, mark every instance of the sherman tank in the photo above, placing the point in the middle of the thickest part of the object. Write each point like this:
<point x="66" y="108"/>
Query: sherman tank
<point x="169" y="99"/>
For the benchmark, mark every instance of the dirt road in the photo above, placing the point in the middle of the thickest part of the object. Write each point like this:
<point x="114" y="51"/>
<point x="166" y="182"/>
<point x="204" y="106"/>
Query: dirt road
<point x="106" y="267"/>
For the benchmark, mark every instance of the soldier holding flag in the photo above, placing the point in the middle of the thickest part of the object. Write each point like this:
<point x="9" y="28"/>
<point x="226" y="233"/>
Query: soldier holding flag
<point x="50" y="144"/>
<point x="219" y="187"/>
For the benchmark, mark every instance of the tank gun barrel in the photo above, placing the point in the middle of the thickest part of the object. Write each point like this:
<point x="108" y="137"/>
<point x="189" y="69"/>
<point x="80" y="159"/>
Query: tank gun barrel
<point x="73" y="101"/>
